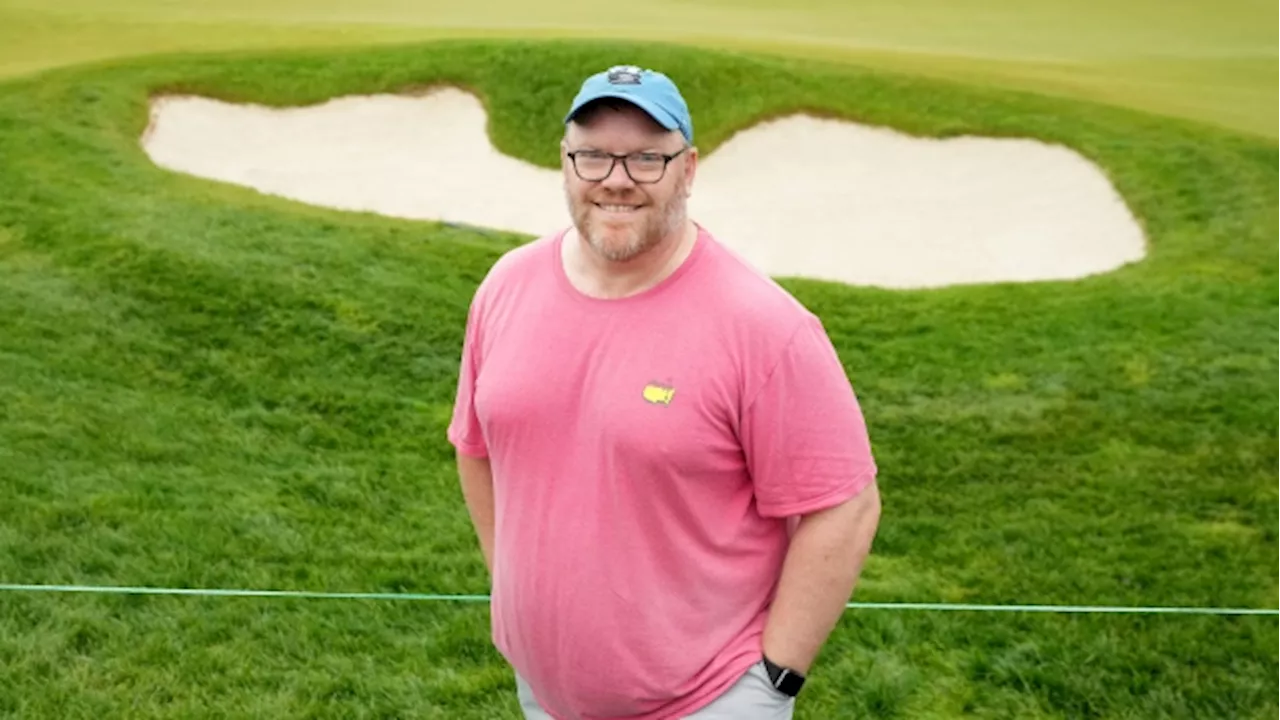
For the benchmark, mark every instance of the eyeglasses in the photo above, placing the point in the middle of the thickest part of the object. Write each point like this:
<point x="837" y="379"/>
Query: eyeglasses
<point x="642" y="168"/>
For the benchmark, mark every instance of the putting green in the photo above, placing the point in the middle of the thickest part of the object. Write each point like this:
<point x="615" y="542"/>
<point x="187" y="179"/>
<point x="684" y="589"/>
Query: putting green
<point x="1211" y="62"/>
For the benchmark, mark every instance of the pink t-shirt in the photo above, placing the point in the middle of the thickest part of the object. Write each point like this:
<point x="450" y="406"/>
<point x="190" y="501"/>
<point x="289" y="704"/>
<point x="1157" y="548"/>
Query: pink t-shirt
<point x="646" y="454"/>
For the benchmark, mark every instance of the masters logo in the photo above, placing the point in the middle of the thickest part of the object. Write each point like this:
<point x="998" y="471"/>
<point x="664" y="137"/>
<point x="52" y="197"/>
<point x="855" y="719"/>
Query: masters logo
<point x="659" y="394"/>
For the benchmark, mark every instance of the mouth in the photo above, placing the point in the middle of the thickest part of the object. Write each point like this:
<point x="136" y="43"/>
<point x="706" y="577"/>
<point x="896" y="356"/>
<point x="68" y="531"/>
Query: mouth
<point x="617" y="208"/>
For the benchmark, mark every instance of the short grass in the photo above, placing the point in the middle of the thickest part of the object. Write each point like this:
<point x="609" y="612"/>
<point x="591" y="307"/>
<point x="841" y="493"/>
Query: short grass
<point x="1210" y="61"/>
<point x="204" y="387"/>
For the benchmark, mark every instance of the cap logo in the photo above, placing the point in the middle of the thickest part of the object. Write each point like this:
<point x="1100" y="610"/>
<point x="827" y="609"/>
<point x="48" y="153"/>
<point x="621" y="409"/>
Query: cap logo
<point x="624" y="75"/>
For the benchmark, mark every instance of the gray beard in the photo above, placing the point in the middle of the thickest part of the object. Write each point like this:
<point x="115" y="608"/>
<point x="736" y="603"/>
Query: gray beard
<point x="640" y="239"/>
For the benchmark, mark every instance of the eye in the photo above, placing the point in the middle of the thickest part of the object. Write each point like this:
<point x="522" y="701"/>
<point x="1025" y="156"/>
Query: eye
<point x="648" y="158"/>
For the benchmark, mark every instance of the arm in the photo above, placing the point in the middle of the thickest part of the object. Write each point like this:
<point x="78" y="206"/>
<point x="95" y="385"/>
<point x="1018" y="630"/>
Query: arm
<point x="806" y="440"/>
<point x="821" y="568"/>
<point x="476" y="477"/>
<point x="475" y="473"/>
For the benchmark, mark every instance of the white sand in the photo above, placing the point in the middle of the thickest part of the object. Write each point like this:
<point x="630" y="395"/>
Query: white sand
<point x="796" y="196"/>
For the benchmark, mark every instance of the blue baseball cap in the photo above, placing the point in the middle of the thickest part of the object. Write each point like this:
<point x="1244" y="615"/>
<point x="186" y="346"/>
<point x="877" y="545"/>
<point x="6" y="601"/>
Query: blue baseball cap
<point x="648" y="90"/>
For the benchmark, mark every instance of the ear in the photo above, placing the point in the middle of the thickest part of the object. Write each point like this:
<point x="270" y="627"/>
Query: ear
<point x="565" y="168"/>
<point x="690" y="169"/>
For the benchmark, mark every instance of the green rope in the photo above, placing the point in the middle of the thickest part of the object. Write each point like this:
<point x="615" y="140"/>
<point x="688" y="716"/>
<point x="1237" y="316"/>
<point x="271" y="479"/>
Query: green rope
<point x="105" y="589"/>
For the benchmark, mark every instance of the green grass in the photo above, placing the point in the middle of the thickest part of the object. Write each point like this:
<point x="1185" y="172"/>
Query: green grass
<point x="201" y="386"/>
<point x="1209" y="61"/>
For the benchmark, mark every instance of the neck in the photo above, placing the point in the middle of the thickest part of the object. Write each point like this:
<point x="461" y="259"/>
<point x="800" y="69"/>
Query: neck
<point x="600" y="277"/>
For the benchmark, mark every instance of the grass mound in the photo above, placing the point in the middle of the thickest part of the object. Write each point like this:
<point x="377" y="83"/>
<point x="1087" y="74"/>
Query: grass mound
<point x="205" y="387"/>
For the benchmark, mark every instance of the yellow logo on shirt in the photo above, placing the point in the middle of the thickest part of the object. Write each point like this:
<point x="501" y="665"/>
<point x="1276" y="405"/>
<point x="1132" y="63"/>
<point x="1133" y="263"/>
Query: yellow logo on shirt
<point x="658" y="394"/>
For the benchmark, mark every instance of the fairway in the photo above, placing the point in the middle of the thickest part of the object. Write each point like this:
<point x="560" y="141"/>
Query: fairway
<point x="202" y="386"/>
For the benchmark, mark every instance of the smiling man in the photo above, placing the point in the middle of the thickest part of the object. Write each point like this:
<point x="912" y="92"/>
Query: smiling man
<point x="667" y="468"/>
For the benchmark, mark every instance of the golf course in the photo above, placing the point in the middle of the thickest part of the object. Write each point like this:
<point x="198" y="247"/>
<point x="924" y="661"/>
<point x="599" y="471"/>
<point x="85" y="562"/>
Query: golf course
<point x="208" y="387"/>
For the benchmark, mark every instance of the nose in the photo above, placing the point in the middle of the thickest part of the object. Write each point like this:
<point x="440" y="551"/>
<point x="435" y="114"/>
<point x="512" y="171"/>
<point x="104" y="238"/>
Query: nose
<point x="617" y="177"/>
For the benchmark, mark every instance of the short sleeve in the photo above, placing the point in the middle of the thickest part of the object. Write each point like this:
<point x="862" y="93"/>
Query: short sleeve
<point x="803" y="433"/>
<point x="464" y="427"/>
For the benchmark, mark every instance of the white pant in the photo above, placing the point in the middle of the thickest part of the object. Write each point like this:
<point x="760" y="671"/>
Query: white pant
<point x="750" y="698"/>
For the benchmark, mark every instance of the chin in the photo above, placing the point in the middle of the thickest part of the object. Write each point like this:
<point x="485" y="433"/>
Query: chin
<point x="615" y="245"/>
<point x="618" y="249"/>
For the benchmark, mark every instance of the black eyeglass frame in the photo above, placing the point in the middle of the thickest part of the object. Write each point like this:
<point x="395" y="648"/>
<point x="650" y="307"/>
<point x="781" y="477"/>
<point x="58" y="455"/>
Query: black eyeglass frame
<point x="614" y="158"/>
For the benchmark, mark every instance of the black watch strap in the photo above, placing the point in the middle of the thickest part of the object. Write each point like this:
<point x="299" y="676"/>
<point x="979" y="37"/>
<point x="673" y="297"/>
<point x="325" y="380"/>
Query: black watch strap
<point x="784" y="680"/>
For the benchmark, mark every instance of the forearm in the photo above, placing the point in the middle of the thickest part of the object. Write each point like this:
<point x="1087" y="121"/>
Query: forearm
<point x="476" y="478"/>
<point x="822" y="566"/>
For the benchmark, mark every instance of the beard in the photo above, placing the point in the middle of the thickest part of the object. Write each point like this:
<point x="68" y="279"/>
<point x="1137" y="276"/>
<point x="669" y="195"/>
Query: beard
<point x="625" y="241"/>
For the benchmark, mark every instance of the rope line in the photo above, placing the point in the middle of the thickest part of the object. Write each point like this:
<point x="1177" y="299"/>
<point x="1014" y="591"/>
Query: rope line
<point x="951" y="607"/>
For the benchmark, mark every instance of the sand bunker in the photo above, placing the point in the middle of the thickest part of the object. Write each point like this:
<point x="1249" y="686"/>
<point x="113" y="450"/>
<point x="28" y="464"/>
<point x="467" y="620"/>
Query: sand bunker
<point x="796" y="196"/>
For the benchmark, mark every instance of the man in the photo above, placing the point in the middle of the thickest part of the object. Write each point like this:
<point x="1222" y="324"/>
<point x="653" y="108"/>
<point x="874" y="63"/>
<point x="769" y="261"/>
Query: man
<point x="664" y="461"/>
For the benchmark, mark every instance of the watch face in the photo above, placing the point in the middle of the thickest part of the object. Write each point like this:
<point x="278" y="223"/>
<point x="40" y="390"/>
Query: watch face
<point x="790" y="683"/>
<point x="783" y="680"/>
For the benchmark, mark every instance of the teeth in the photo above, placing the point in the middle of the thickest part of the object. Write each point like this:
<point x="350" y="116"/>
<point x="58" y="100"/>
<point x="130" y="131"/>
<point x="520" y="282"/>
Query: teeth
<point x="618" y="208"/>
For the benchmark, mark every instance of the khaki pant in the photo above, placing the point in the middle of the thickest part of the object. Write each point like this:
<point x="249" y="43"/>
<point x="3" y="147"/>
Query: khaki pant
<point x="751" y="698"/>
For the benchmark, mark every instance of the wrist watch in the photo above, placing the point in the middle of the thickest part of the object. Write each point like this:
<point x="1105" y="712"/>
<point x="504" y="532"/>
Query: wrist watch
<point x="784" y="680"/>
